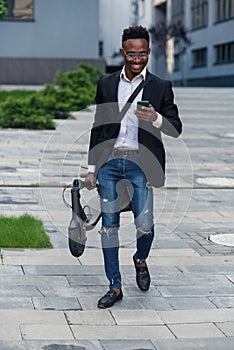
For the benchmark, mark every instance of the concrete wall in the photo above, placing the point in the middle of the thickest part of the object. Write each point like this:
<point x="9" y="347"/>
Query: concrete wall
<point x="37" y="71"/>
<point x="61" y="29"/>
<point x="63" y="33"/>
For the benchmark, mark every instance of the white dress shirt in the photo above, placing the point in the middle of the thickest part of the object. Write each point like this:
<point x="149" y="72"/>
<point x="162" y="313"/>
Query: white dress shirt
<point x="128" y="134"/>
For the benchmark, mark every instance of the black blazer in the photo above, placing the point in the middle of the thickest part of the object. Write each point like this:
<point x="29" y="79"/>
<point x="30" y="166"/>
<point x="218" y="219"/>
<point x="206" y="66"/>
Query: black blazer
<point x="106" y="125"/>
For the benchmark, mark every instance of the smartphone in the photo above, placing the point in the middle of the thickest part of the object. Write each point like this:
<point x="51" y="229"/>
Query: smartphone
<point x="141" y="104"/>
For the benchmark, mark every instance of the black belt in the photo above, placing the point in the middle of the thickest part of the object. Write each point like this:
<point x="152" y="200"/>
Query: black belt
<point x="124" y="152"/>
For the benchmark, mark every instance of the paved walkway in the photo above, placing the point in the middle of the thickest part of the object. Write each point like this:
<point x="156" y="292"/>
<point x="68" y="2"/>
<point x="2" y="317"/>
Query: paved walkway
<point x="48" y="298"/>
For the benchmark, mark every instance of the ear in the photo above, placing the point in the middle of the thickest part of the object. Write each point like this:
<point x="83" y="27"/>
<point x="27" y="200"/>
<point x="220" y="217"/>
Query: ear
<point x="121" y="51"/>
<point x="149" y="50"/>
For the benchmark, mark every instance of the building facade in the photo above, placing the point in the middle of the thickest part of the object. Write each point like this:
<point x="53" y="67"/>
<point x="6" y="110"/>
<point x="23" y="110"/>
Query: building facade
<point x="40" y="37"/>
<point x="209" y="59"/>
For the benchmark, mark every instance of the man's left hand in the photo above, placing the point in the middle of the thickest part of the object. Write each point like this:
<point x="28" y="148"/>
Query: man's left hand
<point x="147" y="114"/>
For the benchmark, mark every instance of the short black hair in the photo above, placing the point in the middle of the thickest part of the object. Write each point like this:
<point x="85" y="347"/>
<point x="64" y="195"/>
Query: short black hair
<point x="137" y="32"/>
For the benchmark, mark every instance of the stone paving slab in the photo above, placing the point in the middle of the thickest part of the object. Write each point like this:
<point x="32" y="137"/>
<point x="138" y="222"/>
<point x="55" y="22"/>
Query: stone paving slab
<point x="90" y="317"/>
<point x="46" y="331"/>
<point x="38" y="257"/>
<point x="56" y="303"/>
<point x="87" y="280"/>
<point x="121" y="332"/>
<point x="127" y="344"/>
<point x="199" y="291"/>
<point x="227" y="328"/>
<point x="14" y="317"/>
<point x="195" y="303"/>
<point x="208" y="270"/>
<point x="204" y="330"/>
<point x="24" y="303"/>
<point x="136" y="317"/>
<point x="10" y="332"/>
<point x="194" y="344"/>
<point x="177" y="344"/>
<point x="187" y="261"/>
<point x="20" y="291"/>
<point x="190" y="280"/>
<point x="23" y="280"/>
<point x="63" y="270"/>
<point x="193" y="316"/>
<point x="10" y="270"/>
<point x="223" y="302"/>
<point x="51" y="345"/>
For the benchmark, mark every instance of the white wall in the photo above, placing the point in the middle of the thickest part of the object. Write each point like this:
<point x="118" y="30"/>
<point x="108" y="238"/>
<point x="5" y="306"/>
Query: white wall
<point x="62" y="29"/>
<point x="72" y="28"/>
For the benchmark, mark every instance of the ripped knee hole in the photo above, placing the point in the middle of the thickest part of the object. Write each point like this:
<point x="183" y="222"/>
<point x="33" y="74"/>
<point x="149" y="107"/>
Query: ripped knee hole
<point x="144" y="231"/>
<point x="108" y="230"/>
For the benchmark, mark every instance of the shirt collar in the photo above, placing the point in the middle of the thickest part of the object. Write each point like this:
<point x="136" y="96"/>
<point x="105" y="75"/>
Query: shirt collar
<point x="142" y="74"/>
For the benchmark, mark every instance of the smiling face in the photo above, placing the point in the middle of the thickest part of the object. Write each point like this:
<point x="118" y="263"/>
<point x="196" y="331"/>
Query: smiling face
<point x="134" y="66"/>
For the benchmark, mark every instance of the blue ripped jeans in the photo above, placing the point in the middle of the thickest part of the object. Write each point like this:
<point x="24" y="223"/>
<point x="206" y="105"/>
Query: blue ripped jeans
<point x="109" y="183"/>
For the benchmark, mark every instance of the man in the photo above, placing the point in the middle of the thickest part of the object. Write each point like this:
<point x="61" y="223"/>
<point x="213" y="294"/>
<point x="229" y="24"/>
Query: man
<point x="129" y="151"/>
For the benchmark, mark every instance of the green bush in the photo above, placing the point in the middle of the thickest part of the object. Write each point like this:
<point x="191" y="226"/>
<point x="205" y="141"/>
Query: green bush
<point x="70" y="91"/>
<point x="93" y="72"/>
<point x="20" y="114"/>
<point x="19" y="94"/>
<point x="2" y="9"/>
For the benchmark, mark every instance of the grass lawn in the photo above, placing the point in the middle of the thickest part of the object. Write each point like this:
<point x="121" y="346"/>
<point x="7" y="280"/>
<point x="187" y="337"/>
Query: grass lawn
<point x="15" y="93"/>
<point x="23" y="232"/>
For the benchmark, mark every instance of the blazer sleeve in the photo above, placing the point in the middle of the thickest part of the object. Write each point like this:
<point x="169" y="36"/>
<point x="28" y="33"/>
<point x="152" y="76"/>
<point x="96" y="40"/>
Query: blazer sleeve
<point x="97" y="125"/>
<point x="171" y="123"/>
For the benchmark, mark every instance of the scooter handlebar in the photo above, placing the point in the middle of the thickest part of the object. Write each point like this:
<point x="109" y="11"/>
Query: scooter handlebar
<point x="84" y="184"/>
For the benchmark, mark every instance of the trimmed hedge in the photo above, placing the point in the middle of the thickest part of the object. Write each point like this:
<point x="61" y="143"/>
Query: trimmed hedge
<point x="70" y="91"/>
<point x="16" y="113"/>
<point x="3" y="9"/>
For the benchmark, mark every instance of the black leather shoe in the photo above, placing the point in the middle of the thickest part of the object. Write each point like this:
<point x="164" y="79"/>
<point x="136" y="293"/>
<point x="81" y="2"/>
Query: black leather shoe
<point x="142" y="275"/>
<point x="109" y="299"/>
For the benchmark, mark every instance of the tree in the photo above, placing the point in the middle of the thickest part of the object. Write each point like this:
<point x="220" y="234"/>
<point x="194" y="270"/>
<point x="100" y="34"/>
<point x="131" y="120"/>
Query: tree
<point x="3" y="9"/>
<point x="169" y="39"/>
<point x="162" y="32"/>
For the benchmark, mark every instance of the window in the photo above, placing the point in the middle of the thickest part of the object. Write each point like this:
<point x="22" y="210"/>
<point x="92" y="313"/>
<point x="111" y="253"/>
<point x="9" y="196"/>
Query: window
<point x="199" y="57"/>
<point x="177" y="11"/>
<point x="224" y="53"/>
<point x="100" y="48"/>
<point x="176" y="63"/>
<point x="19" y="10"/>
<point x="199" y="13"/>
<point x="224" y="10"/>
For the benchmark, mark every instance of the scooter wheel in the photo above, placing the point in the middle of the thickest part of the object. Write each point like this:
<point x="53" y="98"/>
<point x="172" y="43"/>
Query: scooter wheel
<point x="76" y="240"/>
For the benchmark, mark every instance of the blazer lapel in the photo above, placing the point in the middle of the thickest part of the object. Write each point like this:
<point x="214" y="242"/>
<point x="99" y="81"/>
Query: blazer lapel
<point x="114" y="87"/>
<point x="147" y="87"/>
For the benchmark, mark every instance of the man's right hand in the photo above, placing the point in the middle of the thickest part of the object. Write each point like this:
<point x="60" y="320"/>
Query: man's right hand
<point x="91" y="178"/>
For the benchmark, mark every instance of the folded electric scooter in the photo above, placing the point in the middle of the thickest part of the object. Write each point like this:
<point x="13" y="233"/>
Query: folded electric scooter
<point x="86" y="213"/>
